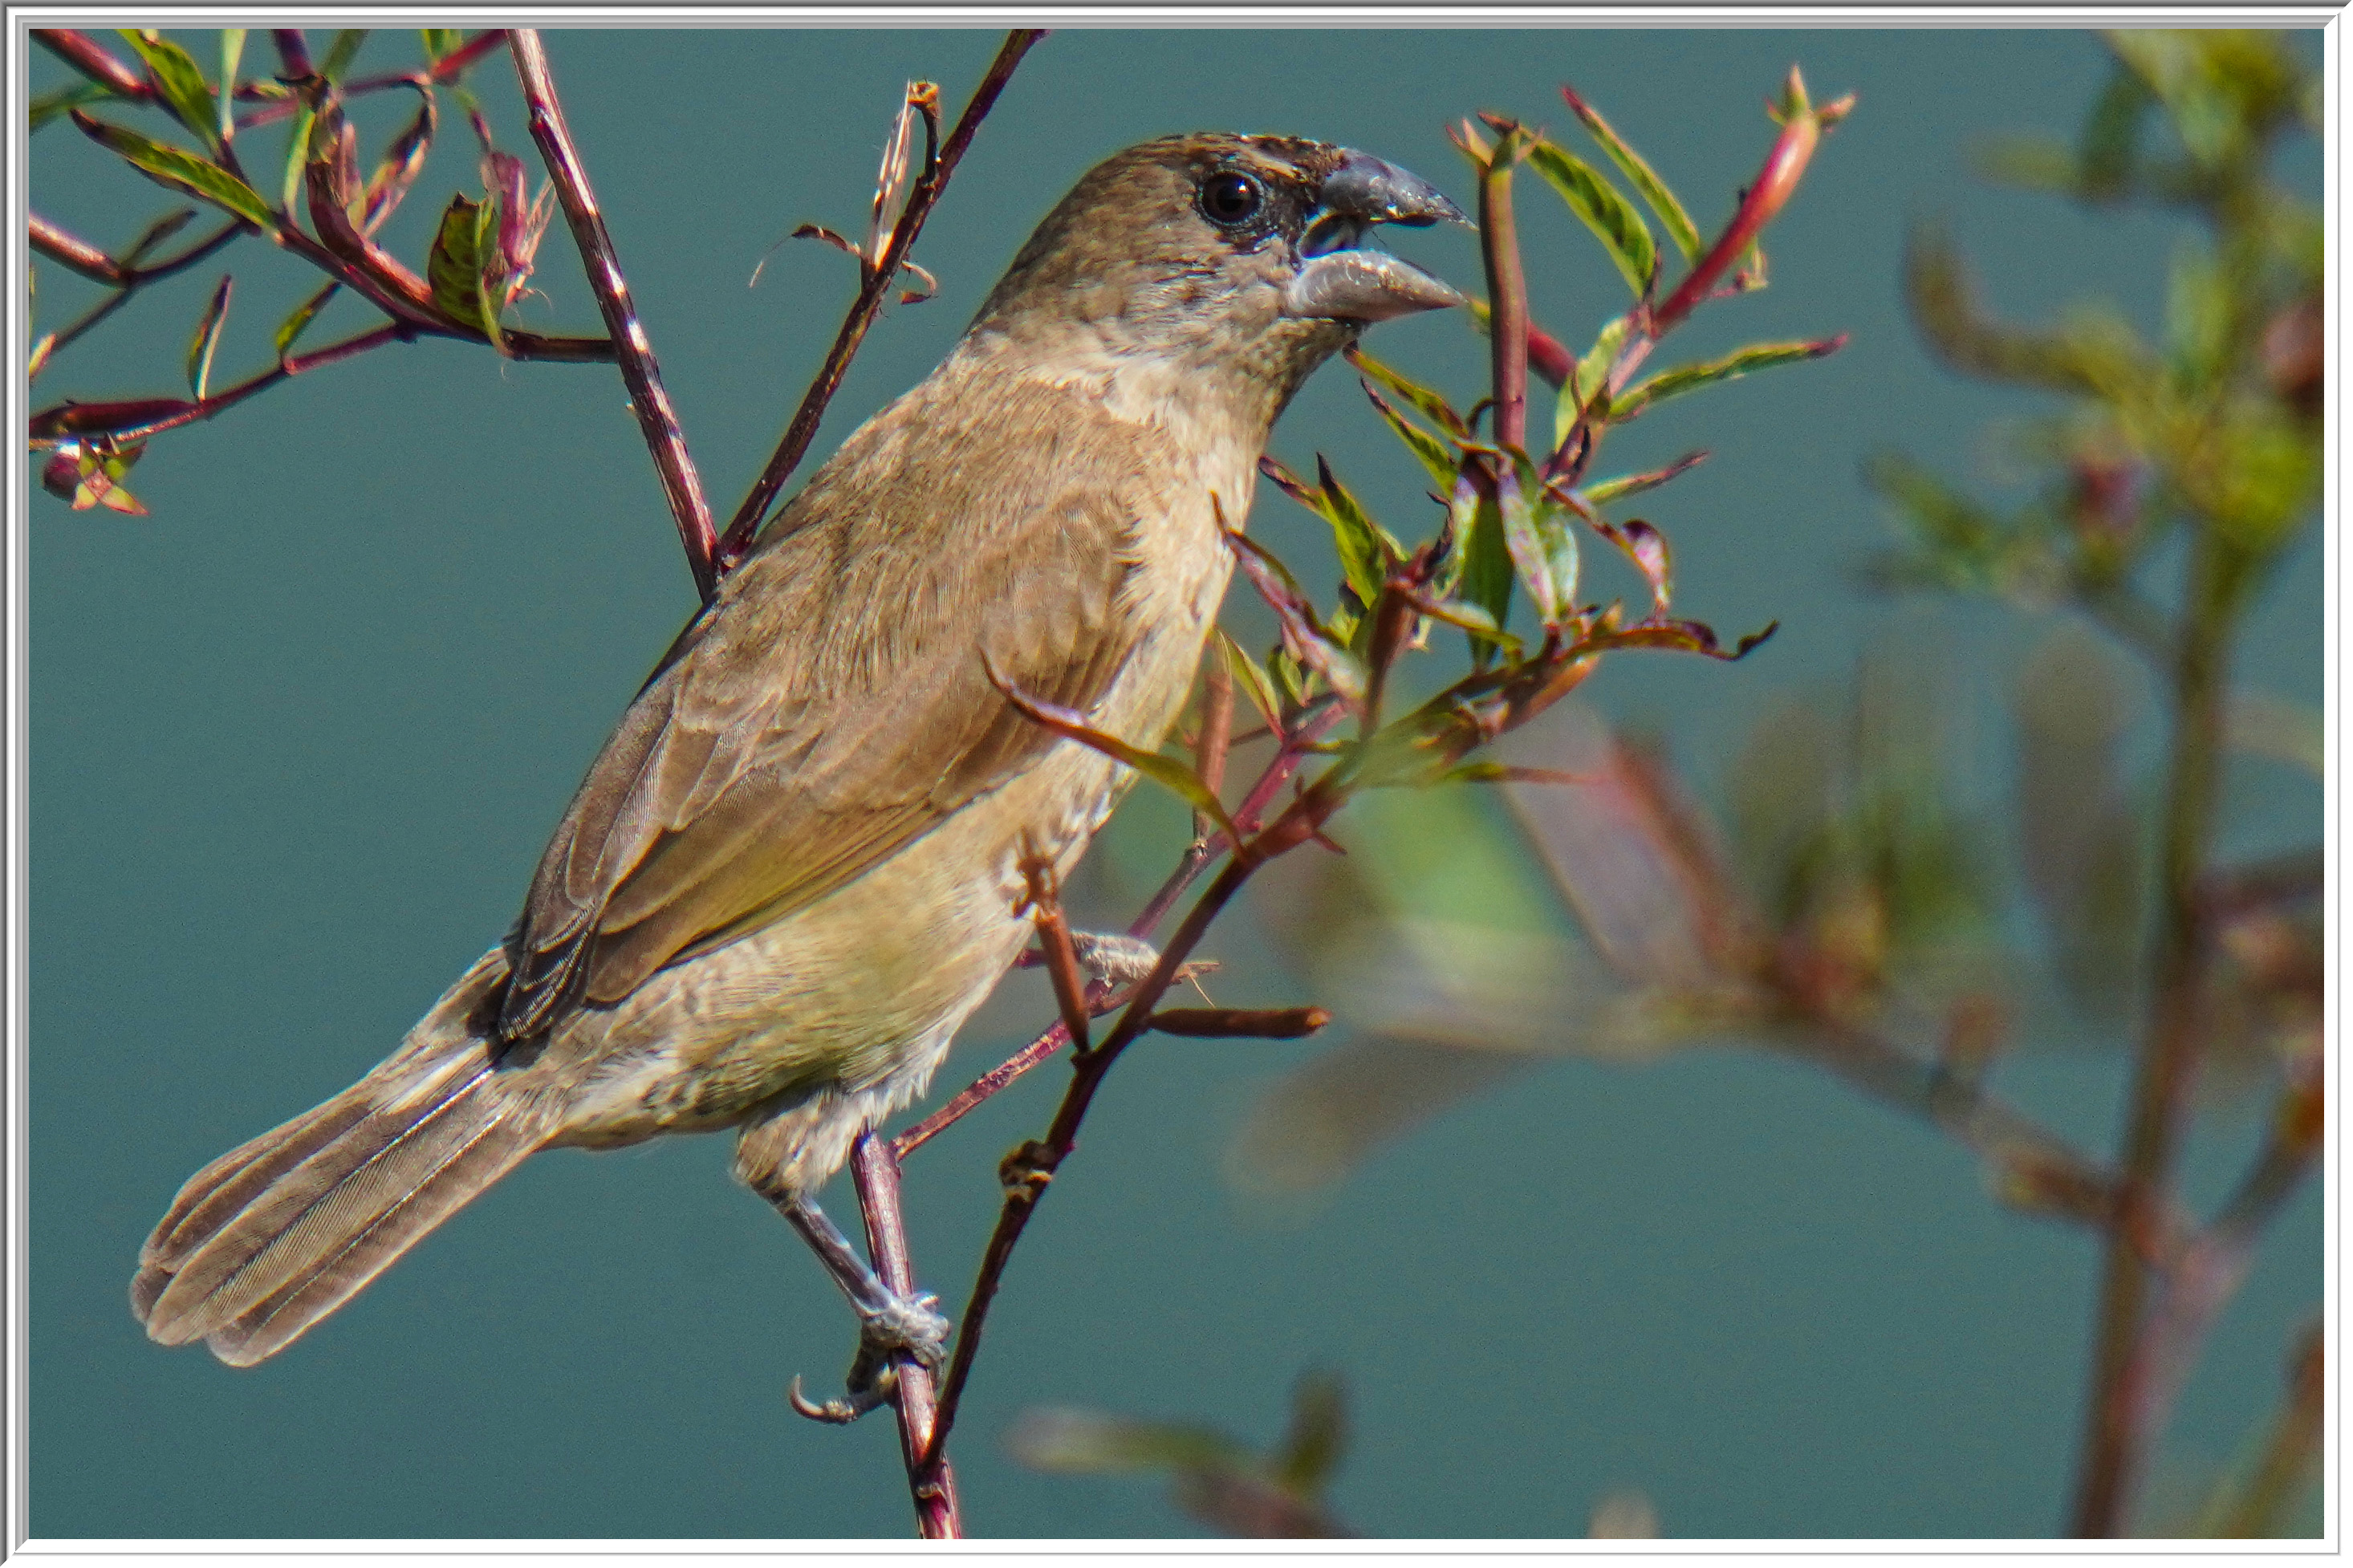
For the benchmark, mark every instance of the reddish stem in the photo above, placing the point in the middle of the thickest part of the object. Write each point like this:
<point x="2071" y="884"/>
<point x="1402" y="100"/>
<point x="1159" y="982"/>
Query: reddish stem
<point x="930" y="1481"/>
<point x="94" y="60"/>
<point x="1785" y="165"/>
<point x="925" y="193"/>
<point x="1279" y="773"/>
<point x="657" y="420"/>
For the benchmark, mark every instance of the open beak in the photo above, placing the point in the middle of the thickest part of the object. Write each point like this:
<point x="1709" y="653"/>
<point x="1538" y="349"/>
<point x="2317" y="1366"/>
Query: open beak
<point x="1339" y="277"/>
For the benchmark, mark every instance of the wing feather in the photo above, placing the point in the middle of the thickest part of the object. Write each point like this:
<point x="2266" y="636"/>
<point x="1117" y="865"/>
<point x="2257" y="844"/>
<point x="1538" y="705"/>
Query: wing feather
<point x="835" y="705"/>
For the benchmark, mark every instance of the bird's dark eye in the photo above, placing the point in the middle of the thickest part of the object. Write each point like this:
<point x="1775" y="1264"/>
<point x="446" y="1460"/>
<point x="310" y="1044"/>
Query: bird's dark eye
<point x="1231" y="198"/>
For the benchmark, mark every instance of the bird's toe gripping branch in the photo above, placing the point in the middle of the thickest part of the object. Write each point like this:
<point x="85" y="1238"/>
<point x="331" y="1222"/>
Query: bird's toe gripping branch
<point x="890" y="1324"/>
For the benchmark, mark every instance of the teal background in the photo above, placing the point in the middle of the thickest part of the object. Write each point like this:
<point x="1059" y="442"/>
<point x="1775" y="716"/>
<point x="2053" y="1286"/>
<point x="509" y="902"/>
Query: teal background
<point x="296" y="738"/>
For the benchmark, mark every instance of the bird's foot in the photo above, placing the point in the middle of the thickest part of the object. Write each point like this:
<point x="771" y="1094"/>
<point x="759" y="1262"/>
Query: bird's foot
<point x="1111" y="958"/>
<point x="893" y="1326"/>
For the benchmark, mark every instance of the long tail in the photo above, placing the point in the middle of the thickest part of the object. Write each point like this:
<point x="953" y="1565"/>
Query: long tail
<point x="271" y="1237"/>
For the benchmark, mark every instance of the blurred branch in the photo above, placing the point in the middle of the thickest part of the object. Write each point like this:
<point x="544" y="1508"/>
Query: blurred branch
<point x="657" y="420"/>
<point x="2252" y="1509"/>
<point x="94" y="60"/>
<point x="921" y="198"/>
<point x="2124" y="1400"/>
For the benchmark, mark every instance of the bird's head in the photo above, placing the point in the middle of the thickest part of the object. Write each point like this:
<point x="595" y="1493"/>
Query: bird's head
<point x="1231" y="265"/>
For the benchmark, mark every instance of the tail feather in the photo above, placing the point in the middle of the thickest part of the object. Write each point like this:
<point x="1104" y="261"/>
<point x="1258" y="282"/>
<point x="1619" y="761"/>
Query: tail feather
<point x="271" y="1237"/>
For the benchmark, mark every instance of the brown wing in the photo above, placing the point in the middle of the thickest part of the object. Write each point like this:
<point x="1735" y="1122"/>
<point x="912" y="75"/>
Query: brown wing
<point x="834" y="705"/>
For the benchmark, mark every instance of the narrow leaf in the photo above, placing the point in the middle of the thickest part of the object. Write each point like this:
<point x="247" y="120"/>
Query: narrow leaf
<point x="298" y="155"/>
<point x="1527" y="553"/>
<point x="1367" y="550"/>
<point x="180" y="81"/>
<point x="1593" y="376"/>
<point x="1686" y="378"/>
<point x="441" y="41"/>
<point x="208" y="340"/>
<point x="1251" y="680"/>
<point x="1471" y="618"/>
<point x="1433" y="453"/>
<point x="1684" y="637"/>
<point x="1640" y="174"/>
<point x="176" y="170"/>
<point x="1611" y="216"/>
<point x="1427" y="404"/>
<point x="1604" y="491"/>
<point x="1169" y="772"/>
<point x="1318" y="1436"/>
<point x="293" y="327"/>
<point x="1646" y="547"/>
<point x="73" y="95"/>
<point x="232" y="50"/>
<point x="341" y="52"/>
<point x="1486" y="571"/>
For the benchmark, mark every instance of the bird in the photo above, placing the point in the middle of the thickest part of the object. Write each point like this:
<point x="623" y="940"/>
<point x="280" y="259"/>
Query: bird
<point x="794" y="870"/>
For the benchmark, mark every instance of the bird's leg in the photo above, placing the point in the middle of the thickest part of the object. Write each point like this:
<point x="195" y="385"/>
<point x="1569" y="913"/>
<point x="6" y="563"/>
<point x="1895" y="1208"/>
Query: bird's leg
<point x="888" y="1322"/>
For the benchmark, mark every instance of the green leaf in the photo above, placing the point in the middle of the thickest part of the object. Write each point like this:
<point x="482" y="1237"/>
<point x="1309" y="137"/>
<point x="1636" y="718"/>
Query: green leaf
<point x="1084" y="1442"/>
<point x="1424" y="401"/>
<point x="1603" y="493"/>
<point x="232" y="50"/>
<point x="440" y="42"/>
<point x="1542" y="546"/>
<point x="1640" y="174"/>
<point x="1367" y="549"/>
<point x="1731" y="367"/>
<point x="1471" y="618"/>
<point x="454" y="268"/>
<point x="1251" y="680"/>
<point x="73" y="95"/>
<point x="180" y="81"/>
<point x="305" y="314"/>
<point x="1318" y="1436"/>
<point x="1486" y="572"/>
<point x="2198" y="308"/>
<point x="202" y="347"/>
<point x="1165" y="771"/>
<point x="1611" y="216"/>
<point x="341" y="53"/>
<point x="298" y="154"/>
<point x="1433" y="454"/>
<point x="177" y="170"/>
<point x="1592" y="374"/>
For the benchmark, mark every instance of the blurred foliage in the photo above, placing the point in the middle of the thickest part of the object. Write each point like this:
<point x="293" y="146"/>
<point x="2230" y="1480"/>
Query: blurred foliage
<point x="1215" y="1478"/>
<point x="1844" y="906"/>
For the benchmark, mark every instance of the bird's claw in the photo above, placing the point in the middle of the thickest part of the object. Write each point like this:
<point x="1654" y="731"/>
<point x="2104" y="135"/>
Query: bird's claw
<point x="903" y="1325"/>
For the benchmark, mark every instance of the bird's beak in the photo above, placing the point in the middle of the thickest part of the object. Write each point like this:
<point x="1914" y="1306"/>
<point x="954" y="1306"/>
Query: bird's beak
<point x="1337" y="277"/>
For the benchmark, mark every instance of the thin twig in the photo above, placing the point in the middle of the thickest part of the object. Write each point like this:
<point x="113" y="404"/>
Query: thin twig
<point x="94" y="264"/>
<point x="657" y="420"/>
<point x="1197" y="857"/>
<point x="439" y="73"/>
<point x="136" y="421"/>
<point x="921" y="198"/>
<point x="930" y="1481"/>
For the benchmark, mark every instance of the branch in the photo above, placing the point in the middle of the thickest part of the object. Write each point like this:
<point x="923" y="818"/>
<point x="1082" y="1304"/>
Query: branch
<point x="440" y="72"/>
<point x="926" y="191"/>
<point x="126" y="276"/>
<point x="2117" y="1435"/>
<point x="1507" y="291"/>
<point x="94" y="60"/>
<point x="1279" y="773"/>
<point x="657" y="420"/>
<point x="929" y="1479"/>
